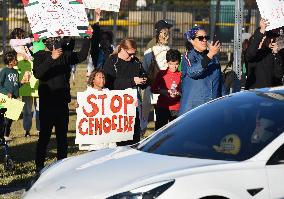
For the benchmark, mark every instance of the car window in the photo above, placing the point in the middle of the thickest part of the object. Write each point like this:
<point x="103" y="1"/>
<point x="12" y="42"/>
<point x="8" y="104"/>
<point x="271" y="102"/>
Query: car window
<point x="277" y="157"/>
<point x="231" y="128"/>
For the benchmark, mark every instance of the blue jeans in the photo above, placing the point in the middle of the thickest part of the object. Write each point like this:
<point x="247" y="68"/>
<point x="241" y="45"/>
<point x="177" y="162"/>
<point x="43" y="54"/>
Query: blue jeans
<point x="28" y="112"/>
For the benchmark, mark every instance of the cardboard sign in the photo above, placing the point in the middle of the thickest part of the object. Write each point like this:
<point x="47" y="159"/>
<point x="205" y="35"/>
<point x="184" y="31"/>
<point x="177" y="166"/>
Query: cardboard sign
<point x="53" y="18"/>
<point x="105" y="116"/>
<point x="14" y="107"/>
<point x="273" y="11"/>
<point x="107" y="5"/>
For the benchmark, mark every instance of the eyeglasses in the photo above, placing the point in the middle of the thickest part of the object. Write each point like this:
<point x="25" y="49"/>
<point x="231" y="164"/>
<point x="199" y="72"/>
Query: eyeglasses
<point x="130" y="54"/>
<point x="201" y="38"/>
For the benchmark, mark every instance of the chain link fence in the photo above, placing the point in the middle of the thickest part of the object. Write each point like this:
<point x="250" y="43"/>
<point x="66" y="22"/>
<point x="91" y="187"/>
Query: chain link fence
<point x="138" y="23"/>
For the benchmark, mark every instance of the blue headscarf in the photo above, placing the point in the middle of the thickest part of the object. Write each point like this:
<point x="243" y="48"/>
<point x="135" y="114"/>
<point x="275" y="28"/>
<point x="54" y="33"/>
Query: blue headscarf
<point x="190" y="34"/>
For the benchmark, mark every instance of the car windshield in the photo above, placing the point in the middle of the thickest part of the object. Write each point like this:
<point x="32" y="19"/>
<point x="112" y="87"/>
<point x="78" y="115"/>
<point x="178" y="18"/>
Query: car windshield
<point x="232" y="128"/>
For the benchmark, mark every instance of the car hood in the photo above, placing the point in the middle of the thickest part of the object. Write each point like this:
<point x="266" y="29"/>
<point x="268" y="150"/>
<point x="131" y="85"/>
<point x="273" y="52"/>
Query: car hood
<point x="103" y="173"/>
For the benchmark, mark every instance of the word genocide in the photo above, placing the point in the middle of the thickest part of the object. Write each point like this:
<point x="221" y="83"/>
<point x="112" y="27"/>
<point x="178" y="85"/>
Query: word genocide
<point x="104" y="114"/>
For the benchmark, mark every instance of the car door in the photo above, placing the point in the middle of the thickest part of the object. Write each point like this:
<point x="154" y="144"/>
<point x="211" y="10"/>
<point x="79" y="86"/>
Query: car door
<point x="275" y="173"/>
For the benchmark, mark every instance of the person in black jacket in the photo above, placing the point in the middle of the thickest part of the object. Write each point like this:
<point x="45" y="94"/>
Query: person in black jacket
<point x="52" y="68"/>
<point x="265" y="66"/>
<point x="123" y="70"/>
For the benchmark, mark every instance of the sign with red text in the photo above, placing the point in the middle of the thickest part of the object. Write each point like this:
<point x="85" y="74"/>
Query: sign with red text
<point x="273" y="11"/>
<point x="105" y="116"/>
<point x="107" y="5"/>
<point x="53" y="18"/>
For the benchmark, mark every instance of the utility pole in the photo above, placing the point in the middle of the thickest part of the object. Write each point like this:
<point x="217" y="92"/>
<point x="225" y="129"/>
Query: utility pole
<point x="239" y="18"/>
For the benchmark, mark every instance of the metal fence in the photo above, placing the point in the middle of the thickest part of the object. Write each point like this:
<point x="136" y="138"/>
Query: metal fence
<point x="139" y="23"/>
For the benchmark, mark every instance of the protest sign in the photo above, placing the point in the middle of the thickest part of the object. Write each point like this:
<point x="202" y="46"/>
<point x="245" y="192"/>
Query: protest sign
<point x="107" y="5"/>
<point x="14" y="107"/>
<point x="105" y="116"/>
<point x="273" y="11"/>
<point x="55" y="18"/>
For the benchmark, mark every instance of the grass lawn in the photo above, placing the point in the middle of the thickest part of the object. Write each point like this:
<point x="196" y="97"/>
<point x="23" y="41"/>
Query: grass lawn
<point x="22" y="150"/>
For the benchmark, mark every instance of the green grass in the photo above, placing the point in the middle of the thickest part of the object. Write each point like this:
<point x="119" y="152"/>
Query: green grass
<point x="22" y="150"/>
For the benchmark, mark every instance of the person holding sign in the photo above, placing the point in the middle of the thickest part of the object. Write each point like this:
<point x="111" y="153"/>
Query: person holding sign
<point x="9" y="85"/>
<point x="124" y="70"/>
<point x="52" y="68"/>
<point x="96" y="83"/>
<point x="265" y="66"/>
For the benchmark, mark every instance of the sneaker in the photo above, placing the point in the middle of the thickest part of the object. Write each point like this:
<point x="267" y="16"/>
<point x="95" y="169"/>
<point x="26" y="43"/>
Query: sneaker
<point x="27" y="135"/>
<point x="8" y="138"/>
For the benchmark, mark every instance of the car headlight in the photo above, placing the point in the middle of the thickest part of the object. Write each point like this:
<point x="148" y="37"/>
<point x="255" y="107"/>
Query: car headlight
<point x="147" y="192"/>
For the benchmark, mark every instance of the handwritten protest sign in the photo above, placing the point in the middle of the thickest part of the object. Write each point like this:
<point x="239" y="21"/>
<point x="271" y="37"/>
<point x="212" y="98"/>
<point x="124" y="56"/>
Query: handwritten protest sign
<point x="107" y="5"/>
<point x="273" y="11"/>
<point x="14" y="107"/>
<point x="105" y="116"/>
<point x="53" y="18"/>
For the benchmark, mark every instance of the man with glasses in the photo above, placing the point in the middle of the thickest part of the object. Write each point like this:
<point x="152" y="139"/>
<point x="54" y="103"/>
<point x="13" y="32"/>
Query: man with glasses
<point x="201" y="72"/>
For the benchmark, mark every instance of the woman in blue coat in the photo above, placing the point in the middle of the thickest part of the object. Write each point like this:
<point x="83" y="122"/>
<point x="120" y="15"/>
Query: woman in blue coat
<point x="201" y="72"/>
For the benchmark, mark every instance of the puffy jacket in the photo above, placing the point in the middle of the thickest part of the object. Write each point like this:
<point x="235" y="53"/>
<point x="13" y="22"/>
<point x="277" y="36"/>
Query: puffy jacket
<point x="201" y="80"/>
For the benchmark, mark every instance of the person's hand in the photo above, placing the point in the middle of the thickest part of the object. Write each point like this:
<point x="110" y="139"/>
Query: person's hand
<point x="76" y="104"/>
<point x="56" y="53"/>
<point x="214" y="49"/>
<point x="24" y="81"/>
<point x="274" y="47"/>
<point x="97" y="14"/>
<point x="139" y="80"/>
<point x="9" y="95"/>
<point x="173" y="94"/>
<point x="136" y="103"/>
<point x="89" y="32"/>
<point x="263" y="24"/>
<point x="26" y="77"/>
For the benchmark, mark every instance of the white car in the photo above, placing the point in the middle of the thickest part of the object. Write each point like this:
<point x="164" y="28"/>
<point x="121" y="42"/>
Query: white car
<point x="229" y="148"/>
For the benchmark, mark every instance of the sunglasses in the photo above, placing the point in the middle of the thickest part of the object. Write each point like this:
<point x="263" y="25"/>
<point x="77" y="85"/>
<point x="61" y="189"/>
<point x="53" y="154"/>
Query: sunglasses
<point x="201" y="38"/>
<point x="130" y="54"/>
